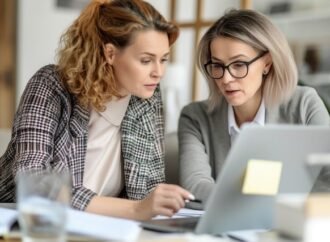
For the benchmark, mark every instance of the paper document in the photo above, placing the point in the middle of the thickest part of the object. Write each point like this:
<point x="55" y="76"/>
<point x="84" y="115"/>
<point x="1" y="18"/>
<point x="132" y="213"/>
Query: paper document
<point x="262" y="177"/>
<point x="183" y="213"/>
<point x="7" y="218"/>
<point x="82" y="223"/>
<point x="245" y="235"/>
<point x="102" y="227"/>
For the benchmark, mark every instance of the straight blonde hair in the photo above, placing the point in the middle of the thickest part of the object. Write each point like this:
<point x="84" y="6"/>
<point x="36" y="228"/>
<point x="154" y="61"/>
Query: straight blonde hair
<point x="256" y="30"/>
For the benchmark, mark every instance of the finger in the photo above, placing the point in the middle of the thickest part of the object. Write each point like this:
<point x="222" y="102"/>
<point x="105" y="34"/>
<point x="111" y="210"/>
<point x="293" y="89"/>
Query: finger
<point x="163" y="197"/>
<point x="178" y="199"/>
<point x="165" y="212"/>
<point x="172" y="203"/>
<point x="174" y="189"/>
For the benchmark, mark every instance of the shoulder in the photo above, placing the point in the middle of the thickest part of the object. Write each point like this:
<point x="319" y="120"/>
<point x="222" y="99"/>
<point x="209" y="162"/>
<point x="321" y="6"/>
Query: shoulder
<point x="201" y="110"/>
<point x="196" y="108"/>
<point x="305" y="106"/>
<point x="304" y="92"/>
<point x="49" y="76"/>
<point x="45" y="89"/>
<point x="195" y="113"/>
<point x="46" y="83"/>
<point x="303" y="96"/>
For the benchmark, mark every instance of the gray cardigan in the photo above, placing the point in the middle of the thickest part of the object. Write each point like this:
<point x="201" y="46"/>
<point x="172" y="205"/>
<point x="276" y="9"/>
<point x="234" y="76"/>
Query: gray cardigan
<point x="204" y="140"/>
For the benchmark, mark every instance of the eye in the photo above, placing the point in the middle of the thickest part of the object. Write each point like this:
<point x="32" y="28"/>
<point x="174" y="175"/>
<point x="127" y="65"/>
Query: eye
<point x="217" y="65"/>
<point x="145" y="61"/>
<point x="164" y="60"/>
<point x="238" y="65"/>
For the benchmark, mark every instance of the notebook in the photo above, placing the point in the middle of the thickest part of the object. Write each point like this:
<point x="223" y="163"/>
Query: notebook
<point x="227" y="208"/>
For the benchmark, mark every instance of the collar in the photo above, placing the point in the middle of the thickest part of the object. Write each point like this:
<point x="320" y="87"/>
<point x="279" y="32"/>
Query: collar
<point x="258" y="119"/>
<point x="139" y="107"/>
<point x="115" y="110"/>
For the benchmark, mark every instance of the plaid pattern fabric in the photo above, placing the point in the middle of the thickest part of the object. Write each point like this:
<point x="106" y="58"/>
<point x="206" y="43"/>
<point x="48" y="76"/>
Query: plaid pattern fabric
<point x="50" y="132"/>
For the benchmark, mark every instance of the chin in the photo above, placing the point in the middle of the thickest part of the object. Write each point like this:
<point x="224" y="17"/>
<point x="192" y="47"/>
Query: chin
<point x="145" y="95"/>
<point x="235" y="103"/>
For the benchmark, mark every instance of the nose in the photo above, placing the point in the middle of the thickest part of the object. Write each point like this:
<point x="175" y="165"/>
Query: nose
<point x="227" y="77"/>
<point x="158" y="70"/>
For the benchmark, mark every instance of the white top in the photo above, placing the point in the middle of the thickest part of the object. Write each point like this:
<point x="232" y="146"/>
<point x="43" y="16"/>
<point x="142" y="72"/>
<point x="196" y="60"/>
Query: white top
<point x="233" y="128"/>
<point x="103" y="167"/>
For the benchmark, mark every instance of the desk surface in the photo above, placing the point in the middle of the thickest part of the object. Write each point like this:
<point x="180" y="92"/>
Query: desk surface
<point x="150" y="236"/>
<point x="145" y="235"/>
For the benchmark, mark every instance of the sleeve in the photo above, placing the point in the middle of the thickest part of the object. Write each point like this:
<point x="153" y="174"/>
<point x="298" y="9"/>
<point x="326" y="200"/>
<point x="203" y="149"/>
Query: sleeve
<point x="313" y="108"/>
<point x="81" y="197"/>
<point x="35" y="125"/>
<point x="195" y="168"/>
<point x="36" y="122"/>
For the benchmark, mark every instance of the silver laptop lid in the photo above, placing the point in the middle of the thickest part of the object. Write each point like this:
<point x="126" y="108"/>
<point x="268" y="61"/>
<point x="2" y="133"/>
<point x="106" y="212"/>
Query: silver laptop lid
<point x="228" y="209"/>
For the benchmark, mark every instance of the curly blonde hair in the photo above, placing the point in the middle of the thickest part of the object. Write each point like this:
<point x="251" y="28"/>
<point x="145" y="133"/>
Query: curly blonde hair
<point x="81" y="61"/>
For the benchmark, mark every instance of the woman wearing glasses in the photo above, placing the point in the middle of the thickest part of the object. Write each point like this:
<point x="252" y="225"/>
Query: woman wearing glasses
<point x="252" y="78"/>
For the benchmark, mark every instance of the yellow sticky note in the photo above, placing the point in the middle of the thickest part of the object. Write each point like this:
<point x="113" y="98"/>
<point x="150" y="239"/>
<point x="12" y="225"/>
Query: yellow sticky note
<point x="262" y="177"/>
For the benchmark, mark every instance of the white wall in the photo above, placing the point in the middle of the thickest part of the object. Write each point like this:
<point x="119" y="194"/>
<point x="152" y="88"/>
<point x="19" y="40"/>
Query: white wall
<point x="40" y="24"/>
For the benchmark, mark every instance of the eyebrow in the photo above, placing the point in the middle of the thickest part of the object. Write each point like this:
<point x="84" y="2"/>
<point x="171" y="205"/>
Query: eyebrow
<point x="231" y="58"/>
<point x="153" y="55"/>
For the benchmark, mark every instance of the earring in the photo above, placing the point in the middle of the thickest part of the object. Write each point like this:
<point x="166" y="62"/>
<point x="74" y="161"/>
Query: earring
<point x="264" y="72"/>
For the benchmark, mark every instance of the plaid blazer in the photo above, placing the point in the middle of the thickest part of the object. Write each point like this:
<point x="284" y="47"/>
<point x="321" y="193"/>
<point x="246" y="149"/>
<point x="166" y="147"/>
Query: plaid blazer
<point x="51" y="129"/>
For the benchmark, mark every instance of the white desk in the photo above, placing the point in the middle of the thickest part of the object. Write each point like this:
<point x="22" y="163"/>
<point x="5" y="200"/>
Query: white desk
<point x="150" y="236"/>
<point x="145" y="235"/>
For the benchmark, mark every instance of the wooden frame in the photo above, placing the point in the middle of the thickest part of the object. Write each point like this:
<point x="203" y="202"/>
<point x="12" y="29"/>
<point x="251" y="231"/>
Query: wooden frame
<point x="197" y="26"/>
<point x="7" y="62"/>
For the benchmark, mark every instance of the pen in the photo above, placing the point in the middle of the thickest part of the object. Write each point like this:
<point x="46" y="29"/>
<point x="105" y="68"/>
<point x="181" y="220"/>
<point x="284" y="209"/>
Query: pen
<point x="196" y="200"/>
<point x="233" y="237"/>
<point x="193" y="200"/>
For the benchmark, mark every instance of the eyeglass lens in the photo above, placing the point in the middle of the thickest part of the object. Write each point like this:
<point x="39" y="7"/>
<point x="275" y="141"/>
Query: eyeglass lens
<point x="236" y="69"/>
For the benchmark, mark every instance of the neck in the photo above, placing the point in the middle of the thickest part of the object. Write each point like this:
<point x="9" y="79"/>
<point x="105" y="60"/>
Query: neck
<point x="247" y="112"/>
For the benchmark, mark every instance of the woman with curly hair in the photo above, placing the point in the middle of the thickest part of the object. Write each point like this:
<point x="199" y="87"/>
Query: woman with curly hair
<point x="98" y="114"/>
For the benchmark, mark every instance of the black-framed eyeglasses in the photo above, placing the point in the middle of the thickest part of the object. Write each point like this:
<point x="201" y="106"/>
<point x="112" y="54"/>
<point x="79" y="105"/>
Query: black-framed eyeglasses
<point x="237" y="69"/>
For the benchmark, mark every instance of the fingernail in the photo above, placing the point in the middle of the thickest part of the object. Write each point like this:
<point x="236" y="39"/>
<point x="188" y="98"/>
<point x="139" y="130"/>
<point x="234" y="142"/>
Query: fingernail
<point x="191" y="197"/>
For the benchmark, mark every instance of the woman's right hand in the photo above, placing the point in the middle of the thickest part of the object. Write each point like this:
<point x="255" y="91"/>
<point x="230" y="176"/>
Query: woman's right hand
<point x="165" y="199"/>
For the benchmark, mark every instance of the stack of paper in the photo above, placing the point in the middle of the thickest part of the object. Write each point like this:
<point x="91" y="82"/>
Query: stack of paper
<point x="102" y="227"/>
<point x="82" y="224"/>
<point x="183" y="213"/>
<point x="7" y="219"/>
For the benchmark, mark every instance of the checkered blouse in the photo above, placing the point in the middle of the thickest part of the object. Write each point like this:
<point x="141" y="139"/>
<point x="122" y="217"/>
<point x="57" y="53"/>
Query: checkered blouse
<point x="51" y="129"/>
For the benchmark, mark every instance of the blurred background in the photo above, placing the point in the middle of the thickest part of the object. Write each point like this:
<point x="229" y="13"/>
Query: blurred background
<point x="30" y="31"/>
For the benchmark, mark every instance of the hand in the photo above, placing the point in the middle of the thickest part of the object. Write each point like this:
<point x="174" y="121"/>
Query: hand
<point x="165" y="200"/>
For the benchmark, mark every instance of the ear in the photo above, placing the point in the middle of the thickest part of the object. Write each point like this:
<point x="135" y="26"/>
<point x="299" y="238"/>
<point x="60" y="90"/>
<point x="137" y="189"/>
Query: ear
<point x="268" y="63"/>
<point x="110" y="52"/>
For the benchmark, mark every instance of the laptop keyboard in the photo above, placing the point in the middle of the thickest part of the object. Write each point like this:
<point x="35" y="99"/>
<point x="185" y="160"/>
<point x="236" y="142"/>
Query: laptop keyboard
<point x="171" y="225"/>
<point x="188" y="223"/>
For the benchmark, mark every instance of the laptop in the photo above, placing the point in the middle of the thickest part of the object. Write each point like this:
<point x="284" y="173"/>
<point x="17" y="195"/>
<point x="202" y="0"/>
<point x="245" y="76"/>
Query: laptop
<point x="227" y="208"/>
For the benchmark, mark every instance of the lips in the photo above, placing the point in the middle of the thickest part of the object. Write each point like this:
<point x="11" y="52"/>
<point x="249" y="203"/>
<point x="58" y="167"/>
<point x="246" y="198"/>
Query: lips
<point x="231" y="91"/>
<point x="151" y="85"/>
